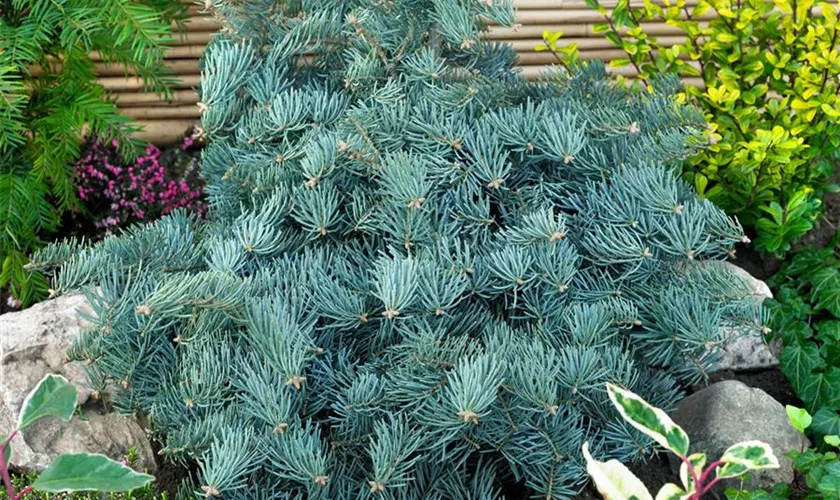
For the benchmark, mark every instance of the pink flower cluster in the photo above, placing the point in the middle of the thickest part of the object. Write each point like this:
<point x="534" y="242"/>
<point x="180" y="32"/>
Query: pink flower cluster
<point x="117" y="193"/>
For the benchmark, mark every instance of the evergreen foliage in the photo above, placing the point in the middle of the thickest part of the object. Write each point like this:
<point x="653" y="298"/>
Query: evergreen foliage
<point x="49" y="98"/>
<point x="418" y="270"/>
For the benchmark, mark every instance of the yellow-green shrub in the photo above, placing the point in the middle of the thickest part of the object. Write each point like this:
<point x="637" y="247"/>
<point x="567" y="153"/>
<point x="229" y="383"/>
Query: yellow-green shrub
<point x="770" y="73"/>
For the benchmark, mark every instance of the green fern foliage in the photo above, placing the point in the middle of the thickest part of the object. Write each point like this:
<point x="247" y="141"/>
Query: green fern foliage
<point x="50" y="97"/>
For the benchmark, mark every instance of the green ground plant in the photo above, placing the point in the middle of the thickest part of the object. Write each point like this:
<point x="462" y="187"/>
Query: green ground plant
<point x="50" y="97"/>
<point x="55" y="397"/>
<point x="21" y="481"/>
<point x="418" y="269"/>
<point x="769" y="72"/>
<point x="806" y="318"/>
<point x="816" y="470"/>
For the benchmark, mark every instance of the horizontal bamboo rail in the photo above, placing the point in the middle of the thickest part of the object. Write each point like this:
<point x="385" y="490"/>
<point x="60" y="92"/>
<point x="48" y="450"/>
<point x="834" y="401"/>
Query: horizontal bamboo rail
<point x="165" y="119"/>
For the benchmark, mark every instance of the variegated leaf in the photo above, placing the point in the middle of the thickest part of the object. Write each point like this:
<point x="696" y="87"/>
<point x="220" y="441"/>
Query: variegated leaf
<point x="671" y="491"/>
<point x="745" y="456"/>
<point x="698" y="461"/>
<point x="649" y="420"/>
<point x="613" y="480"/>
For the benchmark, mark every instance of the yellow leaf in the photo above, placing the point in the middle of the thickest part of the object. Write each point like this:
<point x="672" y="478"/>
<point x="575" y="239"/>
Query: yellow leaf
<point x="829" y="110"/>
<point x="800" y="104"/>
<point x="784" y="6"/>
<point x="700" y="182"/>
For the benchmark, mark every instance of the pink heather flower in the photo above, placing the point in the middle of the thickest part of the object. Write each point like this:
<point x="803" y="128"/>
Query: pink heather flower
<point x="117" y="193"/>
<point x="13" y="303"/>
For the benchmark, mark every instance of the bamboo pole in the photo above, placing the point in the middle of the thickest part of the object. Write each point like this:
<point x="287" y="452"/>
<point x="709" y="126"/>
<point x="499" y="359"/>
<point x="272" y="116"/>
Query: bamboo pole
<point x="202" y="38"/>
<point x="177" y="52"/>
<point x="178" y="98"/>
<point x="606" y="55"/>
<point x="168" y="112"/>
<point x="521" y="5"/>
<point x="585" y="30"/>
<point x="117" y="83"/>
<point x="199" y="23"/>
<point x="162" y="132"/>
<point x="577" y="16"/>
<point x="180" y="67"/>
<point x="584" y="44"/>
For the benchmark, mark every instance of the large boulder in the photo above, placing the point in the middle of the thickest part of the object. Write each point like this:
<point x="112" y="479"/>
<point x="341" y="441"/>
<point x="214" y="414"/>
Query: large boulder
<point x="730" y="412"/>
<point x="750" y="351"/>
<point x="33" y="343"/>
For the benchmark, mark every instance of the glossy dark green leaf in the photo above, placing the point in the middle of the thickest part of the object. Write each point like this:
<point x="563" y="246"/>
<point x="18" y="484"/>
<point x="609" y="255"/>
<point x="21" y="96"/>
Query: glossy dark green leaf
<point x="820" y="389"/>
<point x="829" y="486"/>
<point x="733" y="494"/>
<point x="829" y="330"/>
<point x="825" y="290"/>
<point x="826" y="422"/>
<point x="800" y="362"/>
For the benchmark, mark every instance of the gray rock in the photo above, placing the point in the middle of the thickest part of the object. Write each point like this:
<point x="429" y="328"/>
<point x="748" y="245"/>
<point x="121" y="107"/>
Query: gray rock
<point x="749" y="351"/>
<point x="730" y="412"/>
<point x="33" y="343"/>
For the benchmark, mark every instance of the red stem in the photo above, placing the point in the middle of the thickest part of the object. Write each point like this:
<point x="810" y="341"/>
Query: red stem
<point x="711" y="468"/>
<point x="23" y="492"/>
<point x="700" y="486"/>
<point x="692" y="471"/>
<point x="4" y="469"/>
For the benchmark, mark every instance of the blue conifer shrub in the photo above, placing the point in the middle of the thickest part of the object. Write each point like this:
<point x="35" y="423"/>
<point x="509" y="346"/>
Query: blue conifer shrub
<point x="418" y="270"/>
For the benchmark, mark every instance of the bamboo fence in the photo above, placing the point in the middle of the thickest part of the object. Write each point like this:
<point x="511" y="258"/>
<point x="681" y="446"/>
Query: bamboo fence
<point x="165" y="120"/>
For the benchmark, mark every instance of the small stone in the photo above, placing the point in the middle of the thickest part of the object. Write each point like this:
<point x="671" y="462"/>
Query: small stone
<point x="749" y="351"/>
<point x="34" y="343"/>
<point x="729" y="412"/>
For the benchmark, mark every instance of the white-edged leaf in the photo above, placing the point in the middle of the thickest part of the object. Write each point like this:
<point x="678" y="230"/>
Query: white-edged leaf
<point x="698" y="460"/>
<point x="54" y="396"/>
<point x="671" y="491"/>
<point x="745" y="456"/>
<point x="613" y="480"/>
<point x="649" y="420"/>
<point x="89" y="472"/>
<point x="728" y="471"/>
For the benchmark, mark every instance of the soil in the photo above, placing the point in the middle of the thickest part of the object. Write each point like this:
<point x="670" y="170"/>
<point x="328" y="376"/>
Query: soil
<point x="772" y="381"/>
<point x="4" y="304"/>
<point x="169" y="475"/>
<point x="828" y="224"/>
